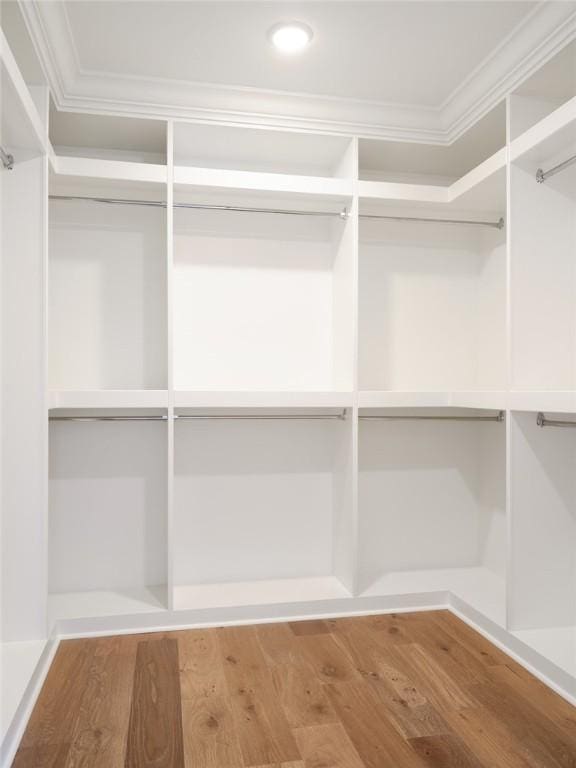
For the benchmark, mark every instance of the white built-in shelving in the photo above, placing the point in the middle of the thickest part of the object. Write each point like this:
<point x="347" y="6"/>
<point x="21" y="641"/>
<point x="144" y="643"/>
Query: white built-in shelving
<point x="213" y="351"/>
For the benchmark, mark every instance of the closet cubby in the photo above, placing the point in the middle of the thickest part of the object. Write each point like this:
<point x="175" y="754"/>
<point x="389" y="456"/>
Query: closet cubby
<point x="543" y="274"/>
<point x="262" y="302"/>
<point x="262" y="507"/>
<point x="107" y="287"/>
<point x="433" y="164"/>
<point x="432" y="303"/>
<point x="432" y="505"/>
<point x="234" y="148"/>
<point x="107" y="514"/>
<point x="103" y="137"/>
<point x="543" y="538"/>
<point x="551" y="88"/>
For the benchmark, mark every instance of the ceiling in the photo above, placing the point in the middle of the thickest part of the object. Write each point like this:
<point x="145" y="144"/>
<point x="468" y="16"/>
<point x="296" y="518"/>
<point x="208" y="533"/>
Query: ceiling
<point x="411" y="66"/>
<point x="413" y="53"/>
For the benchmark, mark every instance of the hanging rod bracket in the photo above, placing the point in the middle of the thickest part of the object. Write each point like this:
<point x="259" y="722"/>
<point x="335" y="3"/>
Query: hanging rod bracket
<point x="542" y="421"/>
<point x="542" y="175"/>
<point x="7" y="159"/>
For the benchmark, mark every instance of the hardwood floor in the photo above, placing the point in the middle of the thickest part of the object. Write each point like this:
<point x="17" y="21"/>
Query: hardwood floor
<point x="418" y="690"/>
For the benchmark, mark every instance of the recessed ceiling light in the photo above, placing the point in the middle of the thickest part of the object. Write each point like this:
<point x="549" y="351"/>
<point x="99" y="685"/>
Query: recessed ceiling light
<point x="290" y="37"/>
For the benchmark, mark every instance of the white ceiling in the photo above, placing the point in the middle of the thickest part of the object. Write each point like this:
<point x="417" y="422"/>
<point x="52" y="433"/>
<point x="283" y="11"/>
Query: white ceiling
<point x="414" y="53"/>
<point x="410" y="70"/>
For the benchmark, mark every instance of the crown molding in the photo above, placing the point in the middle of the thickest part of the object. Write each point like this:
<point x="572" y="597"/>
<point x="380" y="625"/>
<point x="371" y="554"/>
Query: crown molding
<point x="536" y="39"/>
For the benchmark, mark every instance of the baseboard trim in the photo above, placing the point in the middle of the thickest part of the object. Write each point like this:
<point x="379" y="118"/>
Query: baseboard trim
<point x="19" y="722"/>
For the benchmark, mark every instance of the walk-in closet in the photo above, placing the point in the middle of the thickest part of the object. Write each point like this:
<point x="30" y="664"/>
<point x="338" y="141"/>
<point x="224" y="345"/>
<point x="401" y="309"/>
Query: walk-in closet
<point x="279" y="346"/>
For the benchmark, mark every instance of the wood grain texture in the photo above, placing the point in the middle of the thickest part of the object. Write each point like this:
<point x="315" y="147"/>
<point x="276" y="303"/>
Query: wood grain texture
<point x="419" y="690"/>
<point x="155" y="726"/>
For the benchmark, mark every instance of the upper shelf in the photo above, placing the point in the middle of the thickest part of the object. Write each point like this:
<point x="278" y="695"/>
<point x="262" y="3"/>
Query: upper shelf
<point x="545" y="142"/>
<point x="109" y="170"/>
<point x="481" y="189"/>
<point x="21" y="126"/>
<point x="216" y="180"/>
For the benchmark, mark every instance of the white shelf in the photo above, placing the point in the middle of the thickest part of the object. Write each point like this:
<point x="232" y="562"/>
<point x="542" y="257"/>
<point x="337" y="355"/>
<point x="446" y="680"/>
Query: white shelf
<point x="466" y="399"/>
<point x="557" y="644"/>
<point x="267" y="592"/>
<point x="256" y="399"/>
<point x="482" y="189"/>
<point x="480" y="587"/>
<point x="109" y="170"/>
<point x="549" y="137"/>
<point x="22" y="127"/>
<point x="81" y="605"/>
<point x="289" y="186"/>
<point x="17" y="664"/>
<point x="556" y="401"/>
<point x="108" y="398"/>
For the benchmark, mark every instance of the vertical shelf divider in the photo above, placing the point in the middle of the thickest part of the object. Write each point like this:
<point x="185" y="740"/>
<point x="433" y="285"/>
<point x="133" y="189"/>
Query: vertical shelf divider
<point x="169" y="361"/>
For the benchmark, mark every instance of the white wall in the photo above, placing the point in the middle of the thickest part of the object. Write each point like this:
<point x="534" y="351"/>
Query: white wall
<point x="107" y="505"/>
<point x="543" y="220"/>
<point x="253" y="302"/>
<point x="431" y="307"/>
<point x="430" y="496"/>
<point x="543" y="518"/>
<point x="253" y="500"/>
<point x="23" y="478"/>
<point x="107" y="296"/>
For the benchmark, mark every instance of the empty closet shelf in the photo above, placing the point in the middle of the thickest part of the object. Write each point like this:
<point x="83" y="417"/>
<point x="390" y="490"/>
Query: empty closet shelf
<point x="479" y="587"/>
<point x="117" y="602"/>
<point x="265" y="592"/>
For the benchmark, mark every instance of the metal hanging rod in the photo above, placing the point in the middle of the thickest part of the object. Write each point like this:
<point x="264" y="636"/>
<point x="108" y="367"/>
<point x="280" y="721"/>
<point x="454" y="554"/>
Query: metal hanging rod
<point x="385" y="417"/>
<point x="542" y="421"/>
<point x="542" y="175"/>
<point x="343" y="214"/>
<point x="263" y="417"/>
<point x="494" y="224"/>
<point x="108" y="418"/>
<point x="7" y="159"/>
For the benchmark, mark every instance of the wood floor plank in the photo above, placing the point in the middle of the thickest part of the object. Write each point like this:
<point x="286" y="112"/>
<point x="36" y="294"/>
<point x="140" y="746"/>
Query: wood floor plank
<point x="539" y="695"/>
<point x="302" y="696"/>
<point x="327" y="746"/>
<point x="155" y="728"/>
<point x="328" y="660"/>
<point x="210" y="739"/>
<point x="99" y="737"/>
<point x="445" y="751"/>
<point x="49" y="733"/>
<point x="263" y="732"/>
<point x="546" y="744"/>
<point x="473" y="641"/>
<point x="365" y="720"/>
<point x="277" y="643"/>
<point x="407" y="707"/>
<point x="395" y="691"/>
<point x="489" y="738"/>
<point x="440" y="688"/>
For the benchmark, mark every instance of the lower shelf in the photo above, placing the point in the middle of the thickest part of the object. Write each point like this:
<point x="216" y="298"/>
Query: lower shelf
<point x="79" y="605"/>
<point x="557" y="644"/>
<point x="258" y="593"/>
<point x="479" y="587"/>
<point x="17" y="664"/>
